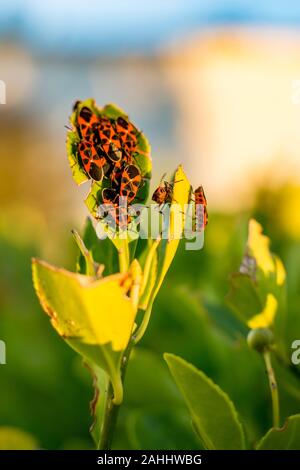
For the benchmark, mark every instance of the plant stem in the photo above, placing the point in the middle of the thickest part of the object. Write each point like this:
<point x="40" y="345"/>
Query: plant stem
<point x="123" y="252"/>
<point x="112" y="410"/>
<point x="136" y="273"/>
<point x="145" y="279"/>
<point x="109" y="420"/>
<point x="143" y="326"/>
<point x="148" y="264"/>
<point x="273" y="389"/>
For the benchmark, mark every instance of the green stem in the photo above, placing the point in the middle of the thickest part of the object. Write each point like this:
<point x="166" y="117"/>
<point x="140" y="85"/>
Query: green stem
<point x="112" y="410"/>
<point x="123" y="252"/>
<point x="148" y="264"/>
<point x="109" y="420"/>
<point x="136" y="273"/>
<point x="145" y="279"/>
<point x="145" y="322"/>
<point x="273" y="389"/>
<point x="126" y="247"/>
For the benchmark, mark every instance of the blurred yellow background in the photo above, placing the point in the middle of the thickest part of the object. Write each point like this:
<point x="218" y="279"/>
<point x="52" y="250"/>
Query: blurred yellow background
<point x="221" y="99"/>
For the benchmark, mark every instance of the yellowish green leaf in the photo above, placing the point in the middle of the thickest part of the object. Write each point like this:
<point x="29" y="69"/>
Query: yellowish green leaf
<point x="95" y="317"/>
<point x="78" y="172"/>
<point x="165" y="248"/>
<point x="168" y="247"/>
<point x="103" y="252"/>
<point x="257" y="293"/>
<point x="266" y="317"/>
<point x="280" y="271"/>
<point x="258" y="246"/>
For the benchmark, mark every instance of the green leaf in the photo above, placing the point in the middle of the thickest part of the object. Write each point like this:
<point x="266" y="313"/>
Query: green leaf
<point x="286" y="438"/>
<point x="213" y="414"/>
<point x="78" y="173"/>
<point x="243" y="298"/>
<point x="257" y="293"/>
<point x="94" y="197"/>
<point x="97" y="405"/>
<point x="15" y="439"/>
<point x="95" y="317"/>
<point x="112" y="111"/>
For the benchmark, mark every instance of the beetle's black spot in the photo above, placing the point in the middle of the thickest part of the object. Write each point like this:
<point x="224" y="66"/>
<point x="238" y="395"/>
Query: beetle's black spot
<point x="86" y="114"/>
<point x="95" y="172"/>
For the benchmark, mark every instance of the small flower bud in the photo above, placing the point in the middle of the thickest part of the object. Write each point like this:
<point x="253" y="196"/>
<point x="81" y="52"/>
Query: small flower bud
<point x="260" y="339"/>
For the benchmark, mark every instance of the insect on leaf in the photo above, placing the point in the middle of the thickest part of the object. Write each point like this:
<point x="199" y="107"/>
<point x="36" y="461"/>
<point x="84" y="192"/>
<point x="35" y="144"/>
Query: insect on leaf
<point x="168" y="246"/>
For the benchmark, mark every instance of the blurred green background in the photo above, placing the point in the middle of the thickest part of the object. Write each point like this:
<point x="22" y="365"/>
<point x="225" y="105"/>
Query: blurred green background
<point x="200" y="87"/>
<point x="46" y="390"/>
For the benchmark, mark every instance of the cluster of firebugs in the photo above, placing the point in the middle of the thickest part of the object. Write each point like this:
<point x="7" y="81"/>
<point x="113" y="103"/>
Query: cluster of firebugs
<point x="106" y="149"/>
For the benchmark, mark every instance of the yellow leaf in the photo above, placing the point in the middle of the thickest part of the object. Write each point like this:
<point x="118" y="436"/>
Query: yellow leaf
<point x="258" y="293"/>
<point x="265" y="318"/>
<point x="280" y="271"/>
<point x="259" y="246"/>
<point x="95" y="317"/>
<point x="181" y="194"/>
<point x="163" y="250"/>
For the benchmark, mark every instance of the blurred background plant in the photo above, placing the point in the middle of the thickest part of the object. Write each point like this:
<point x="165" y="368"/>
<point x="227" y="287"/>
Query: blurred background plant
<point x="212" y="89"/>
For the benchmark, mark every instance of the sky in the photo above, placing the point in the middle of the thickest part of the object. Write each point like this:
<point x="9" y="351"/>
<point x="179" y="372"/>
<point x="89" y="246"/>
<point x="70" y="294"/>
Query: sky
<point x="122" y="26"/>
